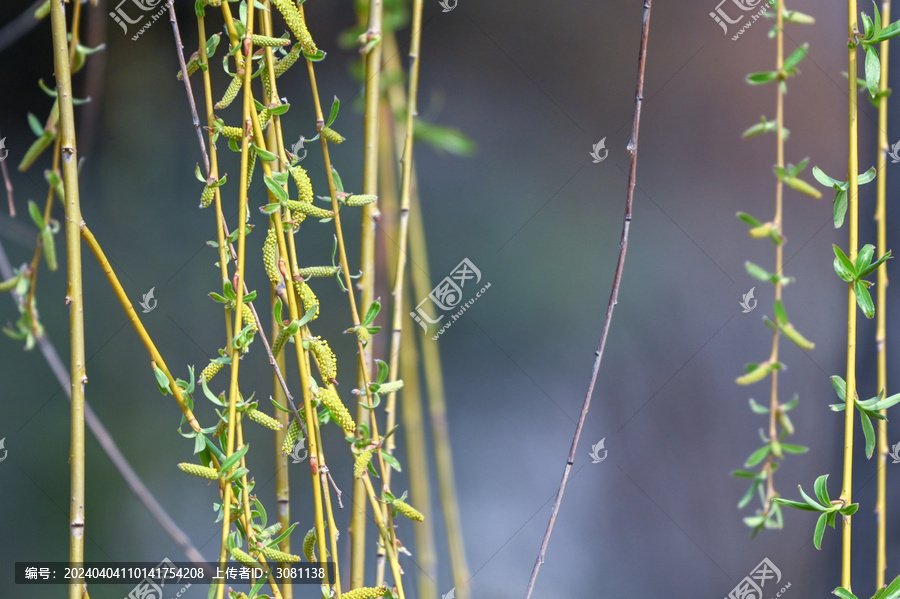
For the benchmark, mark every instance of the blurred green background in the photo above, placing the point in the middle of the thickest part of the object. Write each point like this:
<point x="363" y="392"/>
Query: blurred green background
<point x="536" y="85"/>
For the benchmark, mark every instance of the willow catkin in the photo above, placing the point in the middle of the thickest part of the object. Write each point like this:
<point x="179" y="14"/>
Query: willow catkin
<point x="296" y="24"/>
<point x="198" y="470"/>
<point x="263" y="419"/>
<point x="269" y="256"/>
<point x="325" y="357"/>
<point x="270" y="42"/>
<point x="231" y="93"/>
<point x="408" y="511"/>
<point x="365" y="593"/>
<point x="42" y="11"/>
<point x="360" y="199"/>
<point x="288" y="61"/>
<point x="290" y="437"/>
<point x="308" y="209"/>
<point x="243" y="557"/>
<point x="309" y="545"/>
<point x="330" y="400"/>
<point x="247" y="317"/>
<point x="279" y="556"/>
<point x="264" y="116"/>
<point x="191" y="67"/>
<point x="211" y="370"/>
<point x="332" y="135"/>
<point x="362" y="462"/>
<point x="280" y="339"/>
<point x="235" y="133"/>
<point x="318" y="271"/>
<point x="391" y="387"/>
<point x="309" y="299"/>
<point x="206" y="198"/>
<point x="304" y="186"/>
<point x="220" y="429"/>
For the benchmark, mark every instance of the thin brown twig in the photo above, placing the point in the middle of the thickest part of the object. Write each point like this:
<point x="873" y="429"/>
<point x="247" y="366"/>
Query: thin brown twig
<point x="613" y="297"/>
<point x="195" y="119"/>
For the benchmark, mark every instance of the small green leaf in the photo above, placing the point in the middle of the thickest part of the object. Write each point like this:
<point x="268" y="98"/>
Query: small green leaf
<point x="869" y="432"/>
<point x="233" y="459"/>
<point x="812" y="502"/>
<point x="840" y="387"/>
<point x="791" y="448"/>
<point x="335" y="106"/>
<point x="791" y="404"/>
<point x="825" y="180"/>
<point x="749" y="494"/>
<point x="821" y="487"/>
<point x="383" y="371"/>
<point x="820" y="531"/>
<point x="886" y="403"/>
<point x="338" y="184"/>
<point x="757" y="272"/>
<point x="758" y="409"/>
<point x="36" y="215"/>
<point x="762" y="77"/>
<point x="864" y="258"/>
<point x="277" y="191"/>
<point x="843" y="593"/>
<point x="868" y="27"/>
<point x="796" y="504"/>
<point x="840" y="208"/>
<point x="872" y="267"/>
<point x="843" y="266"/>
<point x="796" y="56"/>
<point x="758" y="456"/>
<point x="161" y="379"/>
<point x="866" y="177"/>
<point x="864" y="299"/>
<point x="265" y="154"/>
<point x="749" y="219"/>
<point x="391" y="460"/>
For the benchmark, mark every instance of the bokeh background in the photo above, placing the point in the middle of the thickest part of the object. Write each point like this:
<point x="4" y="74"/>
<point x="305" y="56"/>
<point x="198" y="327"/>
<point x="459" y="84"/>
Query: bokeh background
<point x="536" y="85"/>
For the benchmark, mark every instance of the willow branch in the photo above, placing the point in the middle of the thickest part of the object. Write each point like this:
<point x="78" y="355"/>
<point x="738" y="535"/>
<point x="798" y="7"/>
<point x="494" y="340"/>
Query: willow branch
<point x="613" y="298"/>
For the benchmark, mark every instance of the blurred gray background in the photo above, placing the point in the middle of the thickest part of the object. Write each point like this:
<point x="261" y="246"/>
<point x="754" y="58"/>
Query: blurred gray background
<point x="536" y="84"/>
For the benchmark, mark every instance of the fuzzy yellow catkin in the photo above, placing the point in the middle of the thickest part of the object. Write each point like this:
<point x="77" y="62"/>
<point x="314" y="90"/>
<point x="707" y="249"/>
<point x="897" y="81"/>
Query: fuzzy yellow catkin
<point x="290" y="437"/>
<point x="332" y="135"/>
<point x="308" y="209"/>
<point x="280" y="339"/>
<point x="191" y="67"/>
<point x="271" y="42"/>
<point x="288" y="61"/>
<point x="206" y="198"/>
<point x="757" y="374"/>
<point x="220" y="429"/>
<point x="211" y="370"/>
<point x="264" y="116"/>
<point x="408" y="511"/>
<point x="231" y="93"/>
<point x="296" y="24"/>
<point x="309" y="545"/>
<point x="330" y="400"/>
<point x="362" y="462"/>
<point x="251" y="165"/>
<point x="360" y="200"/>
<point x="247" y="317"/>
<point x="318" y="271"/>
<point x="304" y="186"/>
<point x="42" y="11"/>
<point x="279" y="556"/>
<point x="309" y="299"/>
<point x="243" y="557"/>
<point x="235" y="133"/>
<point x="391" y="387"/>
<point x="325" y="357"/>
<point x="365" y="593"/>
<point x="198" y="470"/>
<point x="263" y="419"/>
<point x="363" y="334"/>
<point x="269" y="256"/>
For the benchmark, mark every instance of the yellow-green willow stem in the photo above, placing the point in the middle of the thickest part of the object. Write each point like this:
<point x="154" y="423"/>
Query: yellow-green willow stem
<point x="74" y="295"/>
<point x="417" y="462"/>
<point x="155" y="356"/>
<point x="779" y="250"/>
<point x="853" y="210"/>
<point x="233" y="390"/>
<point x="437" y="407"/>
<point x="213" y="161"/>
<point x="881" y="316"/>
<point x="366" y="282"/>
